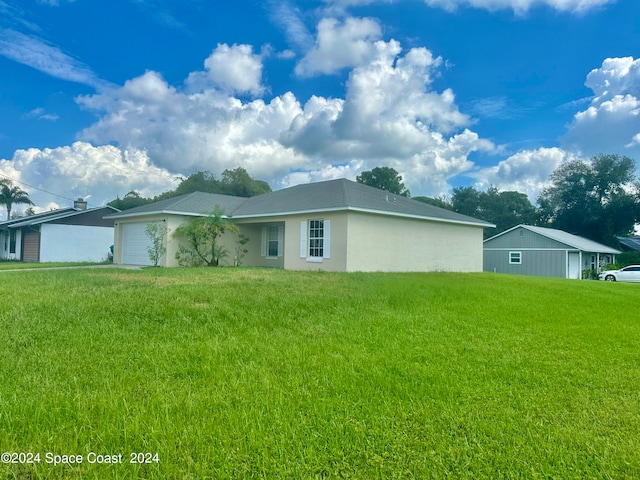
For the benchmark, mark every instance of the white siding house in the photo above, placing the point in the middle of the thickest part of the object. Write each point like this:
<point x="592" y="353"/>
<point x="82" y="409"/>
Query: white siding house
<point x="64" y="235"/>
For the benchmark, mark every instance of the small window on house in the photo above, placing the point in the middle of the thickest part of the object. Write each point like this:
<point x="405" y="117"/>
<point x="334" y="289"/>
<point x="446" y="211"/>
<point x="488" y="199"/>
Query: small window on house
<point x="272" y="242"/>
<point x="12" y="241"/>
<point x="515" y="258"/>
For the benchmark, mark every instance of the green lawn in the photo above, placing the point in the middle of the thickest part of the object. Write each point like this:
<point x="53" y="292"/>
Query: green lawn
<point x="16" y="265"/>
<point x="240" y="373"/>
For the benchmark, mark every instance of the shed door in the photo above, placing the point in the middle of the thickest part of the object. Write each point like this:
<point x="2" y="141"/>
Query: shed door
<point x="31" y="246"/>
<point x="134" y="244"/>
<point x="574" y="265"/>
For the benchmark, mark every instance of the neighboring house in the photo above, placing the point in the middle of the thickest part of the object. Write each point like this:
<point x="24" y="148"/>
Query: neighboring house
<point x="337" y="225"/>
<point x="544" y="252"/>
<point x="73" y="234"/>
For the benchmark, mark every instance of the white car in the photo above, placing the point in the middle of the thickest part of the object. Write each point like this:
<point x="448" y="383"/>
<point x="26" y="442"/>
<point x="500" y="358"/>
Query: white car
<point x="626" y="274"/>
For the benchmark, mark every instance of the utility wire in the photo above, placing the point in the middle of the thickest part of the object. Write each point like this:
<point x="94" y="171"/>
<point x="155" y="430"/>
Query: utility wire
<point x="37" y="188"/>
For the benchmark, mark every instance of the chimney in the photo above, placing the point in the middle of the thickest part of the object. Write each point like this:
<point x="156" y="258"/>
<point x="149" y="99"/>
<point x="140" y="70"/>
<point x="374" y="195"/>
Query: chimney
<point x="80" y="204"/>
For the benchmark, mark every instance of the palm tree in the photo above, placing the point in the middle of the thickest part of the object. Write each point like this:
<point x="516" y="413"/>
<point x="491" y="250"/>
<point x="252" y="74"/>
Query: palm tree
<point x="11" y="194"/>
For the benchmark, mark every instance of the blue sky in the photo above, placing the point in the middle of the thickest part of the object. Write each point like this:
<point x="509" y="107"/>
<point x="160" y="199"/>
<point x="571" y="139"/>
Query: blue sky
<point x="100" y="98"/>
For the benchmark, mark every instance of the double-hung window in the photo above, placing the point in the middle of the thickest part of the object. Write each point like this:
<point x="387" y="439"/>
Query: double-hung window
<point x="316" y="238"/>
<point x="272" y="239"/>
<point x="315" y="243"/>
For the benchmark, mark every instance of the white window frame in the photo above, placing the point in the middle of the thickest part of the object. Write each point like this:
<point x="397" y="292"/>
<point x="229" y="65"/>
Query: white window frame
<point x="305" y="240"/>
<point x="264" y="247"/>
<point x="512" y="260"/>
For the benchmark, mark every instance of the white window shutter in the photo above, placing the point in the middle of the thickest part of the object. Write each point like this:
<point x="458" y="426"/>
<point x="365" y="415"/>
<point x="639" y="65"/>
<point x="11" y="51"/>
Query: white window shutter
<point x="303" y="239"/>
<point x="280" y="240"/>
<point x="327" y="240"/>
<point x="263" y="244"/>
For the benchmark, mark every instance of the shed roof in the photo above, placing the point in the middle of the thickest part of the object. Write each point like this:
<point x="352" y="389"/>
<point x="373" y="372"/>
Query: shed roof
<point x="573" y="241"/>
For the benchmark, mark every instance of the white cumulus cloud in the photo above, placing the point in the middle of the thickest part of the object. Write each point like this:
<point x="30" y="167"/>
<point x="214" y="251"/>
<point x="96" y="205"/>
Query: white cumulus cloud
<point x="611" y="123"/>
<point x="391" y="116"/>
<point x="339" y="45"/>
<point x="234" y="69"/>
<point x="152" y="131"/>
<point x="83" y="170"/>
<point x="526" y="171"/>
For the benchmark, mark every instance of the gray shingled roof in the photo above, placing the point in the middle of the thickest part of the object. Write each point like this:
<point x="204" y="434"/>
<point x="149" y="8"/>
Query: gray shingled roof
<point x="574" y="241"/>
<point x="344" y="194"/>
<point x="54" y="215"/>
<point x="332" y="195"/>
<point x="38" y="216"/>
<point x="632" y="242"/>
<point x="196" y="203"/>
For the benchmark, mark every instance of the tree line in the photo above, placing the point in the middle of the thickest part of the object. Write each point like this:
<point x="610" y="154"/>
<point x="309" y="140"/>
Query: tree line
<point x="597" y="199"/>
<point x="236" y="182"/>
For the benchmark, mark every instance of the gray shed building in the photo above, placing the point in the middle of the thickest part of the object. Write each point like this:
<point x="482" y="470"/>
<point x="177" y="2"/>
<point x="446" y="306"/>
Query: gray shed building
<point x="544" y="252"/>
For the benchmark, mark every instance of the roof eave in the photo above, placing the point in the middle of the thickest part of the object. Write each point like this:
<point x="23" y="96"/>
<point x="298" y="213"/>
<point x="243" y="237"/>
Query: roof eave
<point x="366" y="210"/>
<point x="156" y="212"/>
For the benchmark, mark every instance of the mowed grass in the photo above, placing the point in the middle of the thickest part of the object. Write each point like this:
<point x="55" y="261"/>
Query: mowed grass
<point x="241" y="373"/>
<point x="16" y="265"/>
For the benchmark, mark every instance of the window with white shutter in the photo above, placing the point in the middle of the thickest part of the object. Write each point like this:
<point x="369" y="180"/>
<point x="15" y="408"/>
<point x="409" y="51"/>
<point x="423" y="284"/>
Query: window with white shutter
<point x="315" y="240"/>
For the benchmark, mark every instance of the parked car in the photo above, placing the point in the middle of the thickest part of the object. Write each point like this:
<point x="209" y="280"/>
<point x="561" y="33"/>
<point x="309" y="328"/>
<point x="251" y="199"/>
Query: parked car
<point x="626" y="274"/>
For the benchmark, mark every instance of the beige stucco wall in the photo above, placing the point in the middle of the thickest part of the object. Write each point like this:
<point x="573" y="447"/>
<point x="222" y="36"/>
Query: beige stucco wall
<point x="359" y="242"/>
<point x="253" y="257"/>
<point x="292" y="261"/>
<point x="117" y="235"/>
<point x="171" y="243"/>
<point x="392" y="244"/>
<point x="338" y="257"/>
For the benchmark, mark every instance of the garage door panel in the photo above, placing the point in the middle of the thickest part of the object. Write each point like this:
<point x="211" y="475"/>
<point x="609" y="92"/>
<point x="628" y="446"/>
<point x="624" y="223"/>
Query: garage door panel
<point x="134" y="244"/>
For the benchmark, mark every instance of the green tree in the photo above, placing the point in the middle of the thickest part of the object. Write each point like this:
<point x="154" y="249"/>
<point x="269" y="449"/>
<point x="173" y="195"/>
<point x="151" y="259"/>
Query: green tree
<point x="440" y="201"/>
<point x="467" y="201"/>
<point x="130" y="200"/>
<point x="507" y="209"/>
<point x="384" y="178"/>
<point x="235" y="182"/>
<point x="202" y="236"/>
<point x="12" y="194"/>
<point x="156" y="232"/>
<point x="238" y="182"/>
<point x="503" y="209"/>
<point x="198" y="182"/>
<point x="598" y="200"/>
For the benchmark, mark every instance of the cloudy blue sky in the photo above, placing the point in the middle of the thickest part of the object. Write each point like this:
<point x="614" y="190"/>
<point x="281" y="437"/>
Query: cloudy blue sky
<point x="100" y="98"/>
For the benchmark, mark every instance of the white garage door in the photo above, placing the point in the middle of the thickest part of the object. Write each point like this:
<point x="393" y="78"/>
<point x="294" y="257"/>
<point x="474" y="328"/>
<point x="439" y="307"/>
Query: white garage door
<point x="134" y="244"/>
